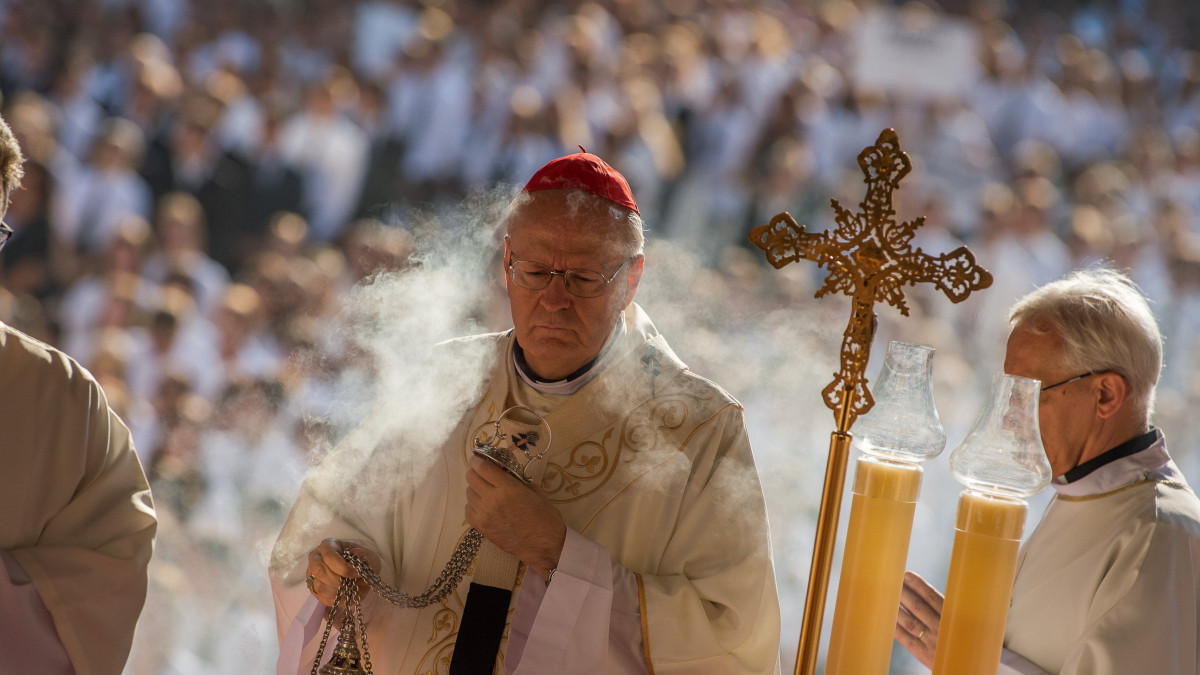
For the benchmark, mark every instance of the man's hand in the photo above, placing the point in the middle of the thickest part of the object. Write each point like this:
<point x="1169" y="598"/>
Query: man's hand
<point x="918" y="619"/>
<point x="516" y="517"/>
<point x="326" y="567"/>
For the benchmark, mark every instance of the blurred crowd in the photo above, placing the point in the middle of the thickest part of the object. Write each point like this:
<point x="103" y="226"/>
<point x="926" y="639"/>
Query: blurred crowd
<point x="208" y="181"/>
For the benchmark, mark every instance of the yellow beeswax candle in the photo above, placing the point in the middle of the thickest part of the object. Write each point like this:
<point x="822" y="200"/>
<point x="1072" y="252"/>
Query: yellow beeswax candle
<point x="881" y="516"/>
<point x="979" y="587"/>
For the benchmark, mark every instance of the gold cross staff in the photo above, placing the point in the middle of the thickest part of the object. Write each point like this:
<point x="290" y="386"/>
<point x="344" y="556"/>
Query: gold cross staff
<point x="870" y="257"/>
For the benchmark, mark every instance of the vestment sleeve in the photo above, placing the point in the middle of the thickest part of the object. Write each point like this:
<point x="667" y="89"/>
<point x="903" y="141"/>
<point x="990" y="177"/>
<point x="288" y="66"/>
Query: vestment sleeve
<point x="28" y="639"/>
<point x="300" y="621"/>
<point x="334" y="503"/>
<point x="712" y="605"/>
<point x="95" y="522"/>
<point x="709" y="605"/>
<point x="1146" y="623"/>
<point x="587" y="619"/>
<point x="298" y="617"/>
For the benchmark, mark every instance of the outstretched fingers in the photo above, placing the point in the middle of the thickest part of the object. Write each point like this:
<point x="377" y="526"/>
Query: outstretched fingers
<point x="918" y="618"/>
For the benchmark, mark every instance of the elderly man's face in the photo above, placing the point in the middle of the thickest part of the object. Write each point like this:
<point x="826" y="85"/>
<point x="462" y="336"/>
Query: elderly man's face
<point x="560" y="332"/>
<point x="1066" y="412"/>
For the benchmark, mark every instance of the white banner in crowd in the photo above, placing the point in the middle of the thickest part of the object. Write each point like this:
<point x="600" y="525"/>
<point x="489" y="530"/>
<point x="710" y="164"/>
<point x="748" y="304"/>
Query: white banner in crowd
<point x="916" y="52"/>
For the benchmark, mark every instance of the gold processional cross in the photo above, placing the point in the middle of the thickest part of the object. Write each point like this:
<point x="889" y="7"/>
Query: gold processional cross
<point x="870" y="257"/>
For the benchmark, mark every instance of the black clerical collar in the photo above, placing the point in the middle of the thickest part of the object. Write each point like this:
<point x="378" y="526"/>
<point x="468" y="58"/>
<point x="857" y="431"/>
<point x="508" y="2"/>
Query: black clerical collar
<point x="1130" y="447"/>
<point x="519" y="356"/>
<point x="576" y="380"/>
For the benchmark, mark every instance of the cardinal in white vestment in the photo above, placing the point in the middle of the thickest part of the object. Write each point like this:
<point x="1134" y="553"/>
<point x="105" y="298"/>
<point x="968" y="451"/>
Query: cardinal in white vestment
<point x="1109" y="581"/>
<point x="643" y="545"/>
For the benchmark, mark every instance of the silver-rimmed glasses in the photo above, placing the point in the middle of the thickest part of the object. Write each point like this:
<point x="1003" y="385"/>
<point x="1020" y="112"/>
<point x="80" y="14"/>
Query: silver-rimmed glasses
<point x="5" y="233"/>
<point x="581" y="283"/>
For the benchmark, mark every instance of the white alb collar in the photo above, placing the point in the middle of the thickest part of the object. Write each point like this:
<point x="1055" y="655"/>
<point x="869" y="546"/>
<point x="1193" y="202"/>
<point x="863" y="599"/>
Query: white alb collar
<point x="1152" y="463"/>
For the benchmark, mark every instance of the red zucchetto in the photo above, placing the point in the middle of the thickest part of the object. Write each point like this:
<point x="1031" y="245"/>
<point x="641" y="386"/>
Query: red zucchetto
<point x="587" y="172"/>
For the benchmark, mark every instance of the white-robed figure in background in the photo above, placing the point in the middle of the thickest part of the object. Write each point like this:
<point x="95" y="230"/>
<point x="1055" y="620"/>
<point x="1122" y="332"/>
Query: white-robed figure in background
<point x="1109" y="581"/>
<point x="78" y="524"/>
<point x="644" y="545"/>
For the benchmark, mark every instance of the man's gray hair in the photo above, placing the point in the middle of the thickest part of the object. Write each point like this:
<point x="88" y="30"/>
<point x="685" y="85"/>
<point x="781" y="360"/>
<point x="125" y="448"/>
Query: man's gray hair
<point x="627" y="223"/>
<point x="1105" y="323"/>
<point x="10" y="165"/>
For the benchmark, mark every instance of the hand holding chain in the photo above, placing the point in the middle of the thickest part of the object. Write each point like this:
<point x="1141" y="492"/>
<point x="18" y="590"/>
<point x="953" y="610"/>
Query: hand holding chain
<point x="346" y="659"/>
<point x="525" y="433"/>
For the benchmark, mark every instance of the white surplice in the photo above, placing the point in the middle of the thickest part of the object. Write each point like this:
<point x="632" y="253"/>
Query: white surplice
<point x="1109" y="582"/>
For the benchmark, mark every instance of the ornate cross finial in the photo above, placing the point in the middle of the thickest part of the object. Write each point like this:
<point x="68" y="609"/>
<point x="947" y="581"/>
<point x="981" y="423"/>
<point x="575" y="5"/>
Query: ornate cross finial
<point x="869" y="257"/>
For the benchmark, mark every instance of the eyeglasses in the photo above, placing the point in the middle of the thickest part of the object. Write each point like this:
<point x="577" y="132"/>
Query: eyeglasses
<point x="5" y="233"/>
<point x="1072" y="379"/>
<point x="581" y="283"/>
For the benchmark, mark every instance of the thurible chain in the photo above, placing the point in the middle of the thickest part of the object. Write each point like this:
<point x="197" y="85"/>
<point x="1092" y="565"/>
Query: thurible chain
<point x="447" y="581"/>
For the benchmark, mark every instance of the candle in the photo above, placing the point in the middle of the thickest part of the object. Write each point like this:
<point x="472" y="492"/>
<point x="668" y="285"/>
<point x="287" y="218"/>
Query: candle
<point x="881" y="517"/>
<point x="979" y="588"/>
<point x="1000" y="462"/>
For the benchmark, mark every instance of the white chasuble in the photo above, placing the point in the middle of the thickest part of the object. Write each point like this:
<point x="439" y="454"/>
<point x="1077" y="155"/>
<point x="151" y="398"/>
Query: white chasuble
<point x="648" y="461"/>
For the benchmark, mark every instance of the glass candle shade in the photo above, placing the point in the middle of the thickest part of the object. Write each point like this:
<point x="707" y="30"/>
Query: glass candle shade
<point x="901" y="430"/>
